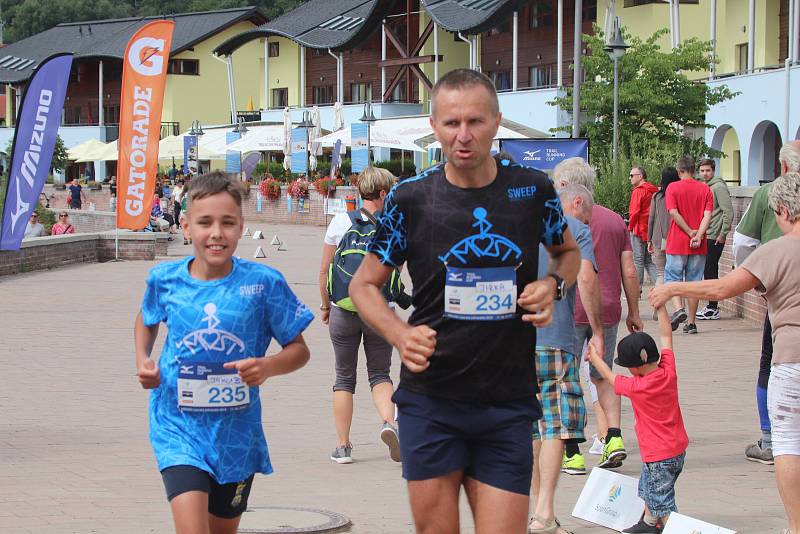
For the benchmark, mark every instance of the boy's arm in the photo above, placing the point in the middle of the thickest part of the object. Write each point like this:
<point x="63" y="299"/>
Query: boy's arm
<point x="144" y="339"/>
<point x="255" y="371"/>
<point x="664" y="328"/>
<point x="601" y="366"/>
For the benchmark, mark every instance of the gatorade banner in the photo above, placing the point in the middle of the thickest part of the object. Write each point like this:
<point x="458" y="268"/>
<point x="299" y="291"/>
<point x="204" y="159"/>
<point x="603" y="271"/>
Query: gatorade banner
<point x="144" y="75"/>
<point x="34" y="141"/>
<point x="545" y="154"/>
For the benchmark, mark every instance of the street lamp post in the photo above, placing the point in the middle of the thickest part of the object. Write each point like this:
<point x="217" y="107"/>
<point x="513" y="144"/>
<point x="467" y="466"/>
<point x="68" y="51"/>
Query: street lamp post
<point x="616" y="49"/>
<point x="369" y="118"/>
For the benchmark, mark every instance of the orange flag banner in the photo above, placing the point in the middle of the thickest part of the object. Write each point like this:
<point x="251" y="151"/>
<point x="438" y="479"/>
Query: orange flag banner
<point x="144" y="75"/>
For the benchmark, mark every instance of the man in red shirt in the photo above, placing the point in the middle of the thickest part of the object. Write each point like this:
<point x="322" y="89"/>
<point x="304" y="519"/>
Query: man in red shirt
<point x="638" y="213"/>
<point x="689" y="203"/>
<point x="653" y="390"/>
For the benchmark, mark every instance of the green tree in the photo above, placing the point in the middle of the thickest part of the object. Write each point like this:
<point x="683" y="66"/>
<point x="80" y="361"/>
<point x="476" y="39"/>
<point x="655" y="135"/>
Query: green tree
<point x="658" y="102"/>
<point x="60" y="154"/>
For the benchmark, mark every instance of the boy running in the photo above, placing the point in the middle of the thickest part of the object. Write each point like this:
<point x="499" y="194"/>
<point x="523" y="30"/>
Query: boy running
<point x="653" y="390"/>
<point x="221" y="314"/>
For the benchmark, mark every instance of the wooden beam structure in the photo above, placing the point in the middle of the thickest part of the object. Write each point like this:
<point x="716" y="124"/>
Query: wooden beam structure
<point x="409" y="59"/>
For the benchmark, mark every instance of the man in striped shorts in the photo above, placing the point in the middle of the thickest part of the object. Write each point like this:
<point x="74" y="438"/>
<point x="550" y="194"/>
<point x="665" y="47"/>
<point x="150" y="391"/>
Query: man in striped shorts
<point x="557" y="366"/>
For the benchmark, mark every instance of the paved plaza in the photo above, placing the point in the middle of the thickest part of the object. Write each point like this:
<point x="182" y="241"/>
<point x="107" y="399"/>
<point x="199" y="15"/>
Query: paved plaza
<point x="75" y="456"/>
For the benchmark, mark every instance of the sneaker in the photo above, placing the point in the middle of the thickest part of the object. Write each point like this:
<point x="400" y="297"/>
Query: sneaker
<point x="343" y="454"/>
<point x="613" y="454"/>
<point x="755" y="453"/>
<point x="708" y="314"/>
<point x="573" y="465"/>
<point x="677" y="317"/>
<point x="643" y="528"/>
<point x="391" y="439"/>
<point x="690" y="328"/>
<point x="597" y="446"/>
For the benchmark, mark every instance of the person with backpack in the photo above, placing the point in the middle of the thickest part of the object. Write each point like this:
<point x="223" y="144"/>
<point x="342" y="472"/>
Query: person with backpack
<point x="345" y="247"/>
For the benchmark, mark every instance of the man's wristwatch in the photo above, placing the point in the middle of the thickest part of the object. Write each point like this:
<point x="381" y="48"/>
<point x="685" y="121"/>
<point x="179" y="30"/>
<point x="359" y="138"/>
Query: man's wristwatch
<point x="561" y="287"/>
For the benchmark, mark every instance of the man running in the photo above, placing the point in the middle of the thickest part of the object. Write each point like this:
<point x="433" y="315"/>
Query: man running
<point x="469" y="231"/>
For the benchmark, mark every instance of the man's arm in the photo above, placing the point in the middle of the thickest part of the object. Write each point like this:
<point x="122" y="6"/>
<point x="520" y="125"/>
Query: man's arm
<point x="415" y="344"/>
<point x="681" y="222"/>
<point x="634" y="209"/>
<point x="537" y="297"/>
<point x="732" y="284"/>
<point x="589" y="286"/>
<point x="725" y="203"/>
<point x="630" y="284"/>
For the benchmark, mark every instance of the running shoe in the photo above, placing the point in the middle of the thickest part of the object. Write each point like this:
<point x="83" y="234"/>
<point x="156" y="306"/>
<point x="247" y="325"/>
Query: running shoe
<point x="677" y="317"/>
<point x="690" y="328"/>
<point x="613" y="454"/>
<point x="392" y="440"/>
<point x="755" y="453"/>
<point x="597" y="446"/>
<point x="708" y="314"/>
<point x="643" y="528"/>
<point x="573" y="465"/>
<point x="343" y="454"/>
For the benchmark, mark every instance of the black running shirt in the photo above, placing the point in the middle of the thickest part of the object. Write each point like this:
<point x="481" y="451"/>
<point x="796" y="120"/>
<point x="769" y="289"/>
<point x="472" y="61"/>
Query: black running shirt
<point x="435" y="227"/>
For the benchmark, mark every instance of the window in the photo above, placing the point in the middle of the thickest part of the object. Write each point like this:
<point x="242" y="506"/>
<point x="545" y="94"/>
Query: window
<point x="317" y="52"/>
<point x="542" y="76"/>
<point x="590" y="10"/>
<point x="502" y="28"/>
<point x="737" y="166"/>
<point x="541" y="15"/>
<point x="111" y="114"/>
<point x="634" y="3"/>
<point x="280" y="97"/>
<point x="741" y="57"/>
<point x="361" y="92"/>
<point x="72" y="115"/>
<point x="501" y="79"/>
<point x="322" y="94"/>
<point x="399" y="93"/>
<point x="274" y="49"/>
<point x="184" y="66"/>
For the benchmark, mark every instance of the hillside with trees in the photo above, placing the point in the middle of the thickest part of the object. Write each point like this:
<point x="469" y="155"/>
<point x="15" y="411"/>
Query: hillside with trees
<point x="22" y="18"/>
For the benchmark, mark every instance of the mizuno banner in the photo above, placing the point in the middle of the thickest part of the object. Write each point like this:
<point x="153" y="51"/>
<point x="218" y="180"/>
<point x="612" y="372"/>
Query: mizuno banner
<point x="34" y="141"/>
<point x="144" y="74"/>
<point x="545" y="154"/>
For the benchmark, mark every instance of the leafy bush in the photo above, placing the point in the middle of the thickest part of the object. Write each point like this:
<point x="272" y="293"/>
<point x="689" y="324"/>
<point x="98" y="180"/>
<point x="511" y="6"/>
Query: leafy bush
<point x="47" y="217"/>
<point x="397" y="168"/>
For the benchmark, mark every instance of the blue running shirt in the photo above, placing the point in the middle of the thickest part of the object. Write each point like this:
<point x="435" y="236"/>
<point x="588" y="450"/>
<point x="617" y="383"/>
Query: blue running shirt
<point x="214" y="322"/>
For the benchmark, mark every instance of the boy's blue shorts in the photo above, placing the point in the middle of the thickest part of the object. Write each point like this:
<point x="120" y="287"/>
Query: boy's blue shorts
<point x="490" y="442"/>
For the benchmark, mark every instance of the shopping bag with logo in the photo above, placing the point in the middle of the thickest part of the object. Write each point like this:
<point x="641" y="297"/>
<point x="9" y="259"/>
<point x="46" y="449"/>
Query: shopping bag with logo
<point x="683" y="524"/>
<point x="610" y="500"/>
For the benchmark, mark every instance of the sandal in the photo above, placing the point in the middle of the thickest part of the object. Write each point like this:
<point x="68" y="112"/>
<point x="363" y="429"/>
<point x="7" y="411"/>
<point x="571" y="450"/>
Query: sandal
<point x="549" y="526"/>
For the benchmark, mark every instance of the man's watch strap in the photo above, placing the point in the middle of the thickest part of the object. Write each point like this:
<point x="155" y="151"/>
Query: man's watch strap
<point x="560" y="286"/>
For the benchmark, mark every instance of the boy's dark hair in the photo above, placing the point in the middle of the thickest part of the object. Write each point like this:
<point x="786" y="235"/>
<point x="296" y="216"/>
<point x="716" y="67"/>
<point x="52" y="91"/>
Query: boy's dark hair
<point x="685" y="163"/>
<point x="214" y="183"/>
<point x="463" y="78"/>
<point x="709" y="162"/>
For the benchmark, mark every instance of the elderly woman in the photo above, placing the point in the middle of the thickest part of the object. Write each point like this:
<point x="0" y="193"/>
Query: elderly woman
<point x="347" y="330"/>
<point x="774" y="271"/>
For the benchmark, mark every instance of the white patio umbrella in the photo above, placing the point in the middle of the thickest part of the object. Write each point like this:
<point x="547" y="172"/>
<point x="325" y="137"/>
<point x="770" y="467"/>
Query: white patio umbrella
<point x="338" y="121"/>
<point x="315" y="148"/>
<point x="260" y="138"/>
<point x="287" y="139"/>
<point x="379" y="137"/>
<point x="86" y="151"/>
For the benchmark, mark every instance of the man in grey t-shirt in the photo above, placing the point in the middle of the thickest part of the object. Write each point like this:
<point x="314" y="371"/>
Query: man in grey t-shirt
<point x="558" y="367"/>
<point x="34" y="228"/>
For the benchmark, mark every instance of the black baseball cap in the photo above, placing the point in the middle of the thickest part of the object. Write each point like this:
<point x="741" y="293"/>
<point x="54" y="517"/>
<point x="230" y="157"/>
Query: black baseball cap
<point x="636" y="349"/>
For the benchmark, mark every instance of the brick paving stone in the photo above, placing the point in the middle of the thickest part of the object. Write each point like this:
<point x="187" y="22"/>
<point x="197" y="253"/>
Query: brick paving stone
<point x="75" y="456"/>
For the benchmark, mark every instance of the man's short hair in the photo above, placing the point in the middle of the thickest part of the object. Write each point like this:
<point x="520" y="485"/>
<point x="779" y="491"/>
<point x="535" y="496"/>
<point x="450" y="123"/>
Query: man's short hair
<point x="462" y="79"/>
<point x="214" y="183"/>
<point x="373" y="180"/>
<point x="685" y="163"/>
<point x="786" y="192"/>
<point x="790" y="156"/>
<point x="574" y="171"/>
<point x="570" y="192"/>
<point x="641" y="170"/>
<point x="709" y="162"/>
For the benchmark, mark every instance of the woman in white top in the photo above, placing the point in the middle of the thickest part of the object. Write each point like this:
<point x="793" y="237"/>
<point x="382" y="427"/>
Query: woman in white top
<point x="347" y="331"/>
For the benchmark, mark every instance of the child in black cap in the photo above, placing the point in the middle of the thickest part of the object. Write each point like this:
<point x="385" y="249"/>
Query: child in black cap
<point x="653" y="390"/>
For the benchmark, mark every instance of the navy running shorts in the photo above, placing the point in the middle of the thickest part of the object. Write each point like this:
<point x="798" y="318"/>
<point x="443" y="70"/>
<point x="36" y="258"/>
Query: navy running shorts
<point x="224" y="500"/>
<point x="490" y="442"/>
